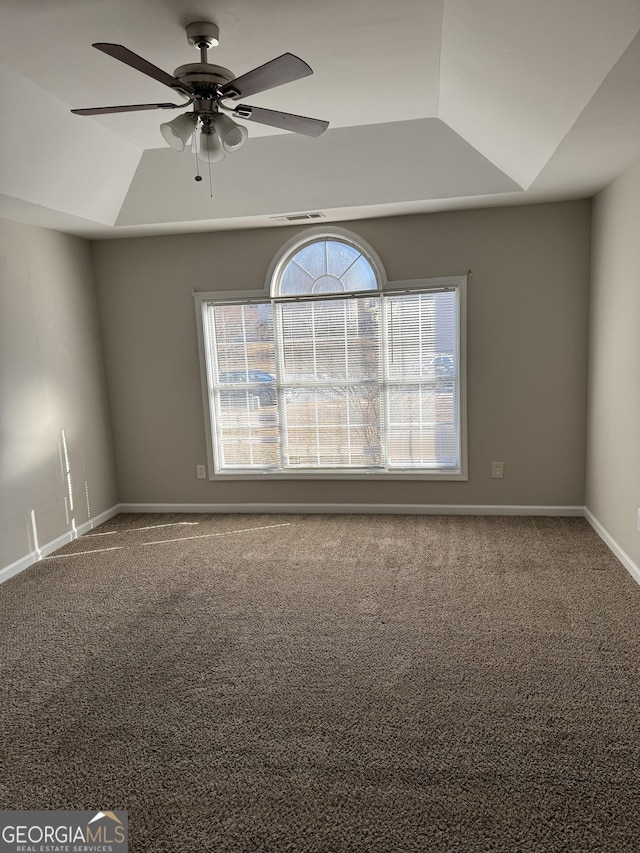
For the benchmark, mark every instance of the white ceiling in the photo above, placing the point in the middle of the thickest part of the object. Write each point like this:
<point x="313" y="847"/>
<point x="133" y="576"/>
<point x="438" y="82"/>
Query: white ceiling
<point x="432" y="104"/>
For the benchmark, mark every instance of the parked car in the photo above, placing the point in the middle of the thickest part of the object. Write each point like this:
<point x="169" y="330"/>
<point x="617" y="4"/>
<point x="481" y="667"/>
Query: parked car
<point x="266" y="395"/>
<point x="442" y="365"/>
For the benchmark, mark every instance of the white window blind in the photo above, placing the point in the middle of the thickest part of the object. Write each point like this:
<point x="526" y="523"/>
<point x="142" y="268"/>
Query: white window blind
<point x="331" y="370"/>
<point x="366" y="383"/>
<point x="422" y="381"/>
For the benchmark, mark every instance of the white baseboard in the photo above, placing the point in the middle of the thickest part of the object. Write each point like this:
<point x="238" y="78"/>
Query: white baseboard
<point x="610" y="542"/>
<point x="382" y="509"/>
<point x="273" y="508"/>
<point x="44" y="550"/>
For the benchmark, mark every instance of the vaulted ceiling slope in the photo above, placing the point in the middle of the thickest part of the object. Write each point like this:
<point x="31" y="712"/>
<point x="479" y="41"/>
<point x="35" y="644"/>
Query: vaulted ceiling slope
<point x="432" y="104"/>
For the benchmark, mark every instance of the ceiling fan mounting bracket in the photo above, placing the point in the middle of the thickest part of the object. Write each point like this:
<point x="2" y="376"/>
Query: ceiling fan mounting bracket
<point x="203" y="34"/>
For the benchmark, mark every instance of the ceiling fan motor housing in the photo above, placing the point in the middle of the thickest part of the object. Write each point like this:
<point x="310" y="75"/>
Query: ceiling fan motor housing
<point x="203" y="76"/>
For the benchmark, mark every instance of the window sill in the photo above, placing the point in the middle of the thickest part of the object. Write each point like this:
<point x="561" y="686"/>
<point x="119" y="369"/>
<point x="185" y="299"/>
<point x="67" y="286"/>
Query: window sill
<point x="456" y="476"/>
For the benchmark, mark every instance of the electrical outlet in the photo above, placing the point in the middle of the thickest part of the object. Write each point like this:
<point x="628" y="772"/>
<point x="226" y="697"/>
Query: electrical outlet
<point x="638" y="519"/>
<point x="497" y="470"/>
<point x="201" y="471"/>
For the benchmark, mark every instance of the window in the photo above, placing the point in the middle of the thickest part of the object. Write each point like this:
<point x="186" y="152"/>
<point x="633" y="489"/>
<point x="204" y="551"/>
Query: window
<point x="336" y="372"/>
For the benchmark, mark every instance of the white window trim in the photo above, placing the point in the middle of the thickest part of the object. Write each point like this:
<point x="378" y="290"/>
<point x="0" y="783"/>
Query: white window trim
<point x="203" y="298"/>
<point x="301" y="238"/>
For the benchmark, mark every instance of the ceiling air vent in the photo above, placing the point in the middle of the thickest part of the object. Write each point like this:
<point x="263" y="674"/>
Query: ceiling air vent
<point x="298" y="217"/>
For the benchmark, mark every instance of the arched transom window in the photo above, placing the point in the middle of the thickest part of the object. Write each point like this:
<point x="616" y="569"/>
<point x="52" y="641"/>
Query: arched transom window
<point x="325" y="265"/>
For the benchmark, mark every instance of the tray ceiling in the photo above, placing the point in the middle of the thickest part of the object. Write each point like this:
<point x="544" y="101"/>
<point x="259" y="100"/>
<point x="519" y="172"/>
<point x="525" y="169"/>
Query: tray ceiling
<point x="432" y="104"/>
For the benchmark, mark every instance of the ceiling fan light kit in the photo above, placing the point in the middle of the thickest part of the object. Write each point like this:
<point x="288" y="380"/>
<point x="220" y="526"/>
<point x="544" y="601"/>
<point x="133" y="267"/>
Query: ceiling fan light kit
<point x="207" y="86"/>
<point x="179" y="131"/>
<point x="233" y="135"/>
<point x="210" y="148"/>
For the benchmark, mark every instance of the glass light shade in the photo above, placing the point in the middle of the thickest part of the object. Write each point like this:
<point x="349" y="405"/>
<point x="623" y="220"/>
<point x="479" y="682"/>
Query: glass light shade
<point x="210" y="148"/>
<point x="177" y="132"/>
<point x="233" y="135"/>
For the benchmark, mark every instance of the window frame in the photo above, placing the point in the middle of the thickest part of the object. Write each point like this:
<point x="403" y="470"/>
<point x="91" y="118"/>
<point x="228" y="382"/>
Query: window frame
<point x="299" y="241"/>
<point x="202" y="299"/>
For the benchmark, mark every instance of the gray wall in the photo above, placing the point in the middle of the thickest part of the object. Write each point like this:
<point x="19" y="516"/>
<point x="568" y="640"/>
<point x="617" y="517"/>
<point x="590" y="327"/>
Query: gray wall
<point x="613" y="455"/>
<point x="527" y="353"/>
<point x="51" y="379"/>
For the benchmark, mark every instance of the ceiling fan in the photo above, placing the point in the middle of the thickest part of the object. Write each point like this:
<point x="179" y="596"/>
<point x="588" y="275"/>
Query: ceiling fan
<point x="207" y="86"/>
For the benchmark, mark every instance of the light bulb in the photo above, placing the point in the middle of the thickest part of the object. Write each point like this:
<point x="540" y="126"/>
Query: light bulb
<point x="210" y="149"/>
<point x="176" y="133"/>
<point x="233" y="135"/>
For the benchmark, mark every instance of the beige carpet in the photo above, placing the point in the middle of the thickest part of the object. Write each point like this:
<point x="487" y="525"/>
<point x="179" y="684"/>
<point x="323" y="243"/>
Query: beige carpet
<point x="357" y="684"/>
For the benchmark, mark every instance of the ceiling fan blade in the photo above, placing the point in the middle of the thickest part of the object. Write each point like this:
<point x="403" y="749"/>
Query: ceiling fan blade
<point x="281" y="70"/>
<point x="129" y="108"/>
<point x="286" y="121"/>
<point x="132" y="59"/>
